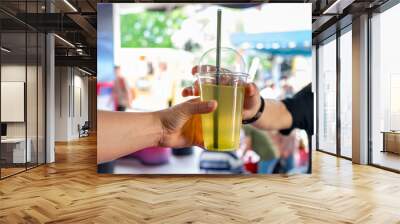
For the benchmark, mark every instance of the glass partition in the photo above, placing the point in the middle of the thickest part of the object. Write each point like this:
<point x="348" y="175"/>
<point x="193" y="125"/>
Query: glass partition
<point x="22" y="77"/>
<point x="31" y="97"/>
<point x="14" y="151"/>
<point x="41" y="87"/>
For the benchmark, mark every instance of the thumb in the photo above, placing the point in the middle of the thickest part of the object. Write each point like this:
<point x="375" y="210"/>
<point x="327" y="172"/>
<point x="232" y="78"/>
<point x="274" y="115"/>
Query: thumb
<point x="192" y="107"/>
<point x="251" y="90"/>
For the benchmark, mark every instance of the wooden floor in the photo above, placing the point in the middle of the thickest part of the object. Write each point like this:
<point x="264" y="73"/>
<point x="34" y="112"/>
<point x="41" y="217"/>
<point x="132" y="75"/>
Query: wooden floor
<point x="5" y="172"/>
<point x="70" y="191"/>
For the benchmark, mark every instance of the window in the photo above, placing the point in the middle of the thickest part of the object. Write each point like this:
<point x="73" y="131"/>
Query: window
<point x="327" y="96"/>
<point x="346" y="94"/>
<point x="385" y="89"/>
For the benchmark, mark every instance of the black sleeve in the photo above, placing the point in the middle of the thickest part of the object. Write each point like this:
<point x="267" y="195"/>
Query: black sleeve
<point x="301" y="107"/>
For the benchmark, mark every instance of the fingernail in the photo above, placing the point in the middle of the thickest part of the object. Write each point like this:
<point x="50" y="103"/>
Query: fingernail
<point x="210" y="104"/>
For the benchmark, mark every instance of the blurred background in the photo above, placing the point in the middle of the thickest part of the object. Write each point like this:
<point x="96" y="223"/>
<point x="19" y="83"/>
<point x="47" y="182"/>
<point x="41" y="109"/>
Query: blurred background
<point x="145" y="56"/>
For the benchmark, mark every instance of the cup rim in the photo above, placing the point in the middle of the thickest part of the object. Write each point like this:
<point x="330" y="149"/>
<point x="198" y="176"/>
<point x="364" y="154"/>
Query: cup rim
<point x="236" y="74"/>
<point x="224" y="48"/>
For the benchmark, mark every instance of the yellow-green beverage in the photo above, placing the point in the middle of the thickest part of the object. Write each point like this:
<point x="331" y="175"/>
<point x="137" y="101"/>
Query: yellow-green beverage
<point x="221" y="129"/>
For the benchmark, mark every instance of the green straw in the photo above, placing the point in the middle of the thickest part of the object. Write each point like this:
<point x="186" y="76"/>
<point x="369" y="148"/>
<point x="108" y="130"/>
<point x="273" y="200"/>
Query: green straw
<point x="217" y="77"/>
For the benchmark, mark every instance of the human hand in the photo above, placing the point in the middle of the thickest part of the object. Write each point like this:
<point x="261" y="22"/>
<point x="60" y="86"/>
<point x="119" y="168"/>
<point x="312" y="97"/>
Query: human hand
<point x="252" y="98"/>
<point x="181" y="124"/>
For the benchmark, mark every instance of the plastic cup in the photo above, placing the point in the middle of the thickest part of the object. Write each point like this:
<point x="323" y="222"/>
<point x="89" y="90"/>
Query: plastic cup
<point x="221" y="129"/>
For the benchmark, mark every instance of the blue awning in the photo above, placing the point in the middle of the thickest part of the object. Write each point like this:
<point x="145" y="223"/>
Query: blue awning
<point x="276" y="43"/>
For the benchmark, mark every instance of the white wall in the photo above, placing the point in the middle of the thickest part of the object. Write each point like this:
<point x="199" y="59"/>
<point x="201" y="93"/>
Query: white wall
<point x="62" y="82"/>
<point x="71" y="94"/>
<point x="16" y="73"/>
<point x="80" y="100"/>
<point x="13" y="73"/>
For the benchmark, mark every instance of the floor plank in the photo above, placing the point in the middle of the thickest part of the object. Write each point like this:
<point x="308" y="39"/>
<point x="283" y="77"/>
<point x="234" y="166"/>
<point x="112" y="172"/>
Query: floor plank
<point x="70" y="191"/>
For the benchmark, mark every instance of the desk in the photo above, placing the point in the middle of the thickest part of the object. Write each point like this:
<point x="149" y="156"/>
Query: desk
<point x="13" y="150"/>
<point x="391" y="141"/>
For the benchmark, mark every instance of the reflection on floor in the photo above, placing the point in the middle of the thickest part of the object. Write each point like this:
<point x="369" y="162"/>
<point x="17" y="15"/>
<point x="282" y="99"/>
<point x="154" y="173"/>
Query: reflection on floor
<point x="387" y="159"/>
<point x="70" y="191"/>
<point x="10" y="171"/>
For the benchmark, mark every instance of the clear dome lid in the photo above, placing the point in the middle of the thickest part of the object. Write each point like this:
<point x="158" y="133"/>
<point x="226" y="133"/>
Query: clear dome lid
<point x="230" y="62"/>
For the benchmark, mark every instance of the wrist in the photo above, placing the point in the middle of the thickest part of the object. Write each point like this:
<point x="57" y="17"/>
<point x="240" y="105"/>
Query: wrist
<point x="257" y="115"/>
<point x="157" y="118"/>
<point x="257" y="108"/>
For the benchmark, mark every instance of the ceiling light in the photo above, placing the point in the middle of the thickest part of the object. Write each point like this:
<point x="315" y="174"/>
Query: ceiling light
<point x="5" y="50"/>
<point x="65" y="41"/>
<point x="84" y="71"/>
<point x="70" y="5"/>
<point x="338" y="6"/>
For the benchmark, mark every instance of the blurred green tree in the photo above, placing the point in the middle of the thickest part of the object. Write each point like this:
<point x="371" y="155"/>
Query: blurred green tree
<point x="150" y="29"/>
